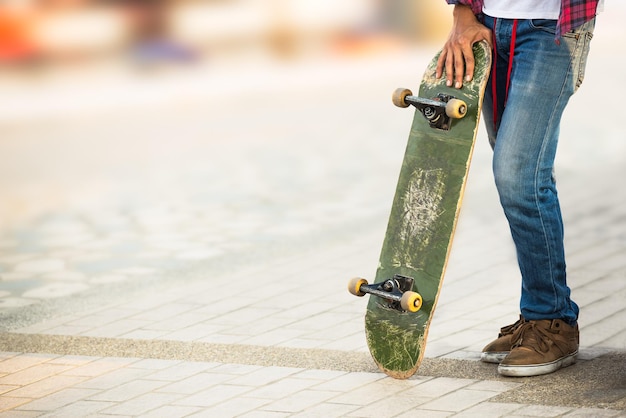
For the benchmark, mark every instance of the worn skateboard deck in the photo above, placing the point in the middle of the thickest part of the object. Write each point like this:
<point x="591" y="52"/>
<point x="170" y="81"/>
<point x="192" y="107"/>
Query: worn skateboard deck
<point x="423" y="218"/>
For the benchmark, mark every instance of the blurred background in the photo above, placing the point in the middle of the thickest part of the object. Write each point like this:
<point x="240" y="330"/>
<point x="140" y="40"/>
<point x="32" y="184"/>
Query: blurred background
<point x="57" y="32"/>
<point x="63" y="62"/>
<point x="139" y="136"/>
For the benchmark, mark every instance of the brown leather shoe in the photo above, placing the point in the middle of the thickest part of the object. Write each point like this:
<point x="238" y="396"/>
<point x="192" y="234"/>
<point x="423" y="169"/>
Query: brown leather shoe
<point x="498" y="349"/>
<point x="541" y="347"/>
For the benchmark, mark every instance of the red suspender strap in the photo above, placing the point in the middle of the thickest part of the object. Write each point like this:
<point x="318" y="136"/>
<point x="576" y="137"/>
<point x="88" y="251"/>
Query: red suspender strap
<point x="511" y="55"/>
<point x="494" y="88"/>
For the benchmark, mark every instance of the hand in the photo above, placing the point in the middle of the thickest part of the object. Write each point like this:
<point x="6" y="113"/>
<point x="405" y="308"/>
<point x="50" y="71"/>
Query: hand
<point x="457" y="56"/>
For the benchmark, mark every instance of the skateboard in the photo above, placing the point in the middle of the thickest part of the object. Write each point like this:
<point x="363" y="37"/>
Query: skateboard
<point x="423" y="216"/>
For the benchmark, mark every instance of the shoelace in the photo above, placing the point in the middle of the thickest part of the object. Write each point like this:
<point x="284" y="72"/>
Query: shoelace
<point x="529" y="334"/>
<point x="509" y="329"/>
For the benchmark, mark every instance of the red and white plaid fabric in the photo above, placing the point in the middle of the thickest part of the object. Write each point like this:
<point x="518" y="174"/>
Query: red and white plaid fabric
<point x="573" y="12"/>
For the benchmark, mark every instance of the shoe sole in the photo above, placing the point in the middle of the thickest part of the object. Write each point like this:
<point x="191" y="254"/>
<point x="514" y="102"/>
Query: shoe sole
<point x="536" y="369"/>
<point x="495" y="357"/>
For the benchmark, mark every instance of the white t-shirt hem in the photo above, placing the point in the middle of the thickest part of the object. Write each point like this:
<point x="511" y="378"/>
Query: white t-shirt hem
<point x="514" y="9"/>
<point x="523" y="9"/>
<point x="519" y="15"/>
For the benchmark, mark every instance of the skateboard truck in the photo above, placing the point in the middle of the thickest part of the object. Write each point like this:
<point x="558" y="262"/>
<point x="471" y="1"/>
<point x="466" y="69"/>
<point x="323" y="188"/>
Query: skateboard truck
<point x="438" y="111"/>
<point x="397" y="291"/>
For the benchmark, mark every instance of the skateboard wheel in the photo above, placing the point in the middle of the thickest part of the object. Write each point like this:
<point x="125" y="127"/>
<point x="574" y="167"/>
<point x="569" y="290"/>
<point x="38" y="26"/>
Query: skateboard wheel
<point x="354" y="286"/>
<point x="399" y="95"/>
<point x="411" y="301"/>
<point x="456" y="108"/>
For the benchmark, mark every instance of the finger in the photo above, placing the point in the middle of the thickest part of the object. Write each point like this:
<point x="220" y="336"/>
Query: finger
<point x="459" y="70"/>
<point x="450" y="69"/>
<point x="469" y="65"/>
<point x="440" y="64"/>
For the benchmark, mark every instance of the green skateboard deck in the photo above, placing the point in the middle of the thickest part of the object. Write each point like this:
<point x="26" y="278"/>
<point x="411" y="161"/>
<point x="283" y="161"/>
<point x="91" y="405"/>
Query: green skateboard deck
<point x="423" y="217"/>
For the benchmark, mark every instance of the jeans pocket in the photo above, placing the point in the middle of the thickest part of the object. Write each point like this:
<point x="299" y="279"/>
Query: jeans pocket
<point x="584" y="53"/>
<point x="549" y="26"/>
<point x="546" y="25"/>
<point x="581" y="52"/>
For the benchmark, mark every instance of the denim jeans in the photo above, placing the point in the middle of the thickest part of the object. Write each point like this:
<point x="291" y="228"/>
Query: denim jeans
<point x="524" y="133"/>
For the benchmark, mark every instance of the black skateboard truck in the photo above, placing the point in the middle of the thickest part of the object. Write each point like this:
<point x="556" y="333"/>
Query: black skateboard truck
<point x="438" y="111"/>
<point x="397" y="291"/>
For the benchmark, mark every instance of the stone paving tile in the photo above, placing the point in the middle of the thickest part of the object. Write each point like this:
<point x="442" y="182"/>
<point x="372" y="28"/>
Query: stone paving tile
<point x="349" y="381"/>
<point x="173" y="412"/>
<point x="57" y="400"/>
<point x="373" y="392"/>
<point x="541" y="411"/>
<point x="459" y="400"/>
<point x="100" y="366"/>
<point x="299" y="401"/>
<point x="191" y="385"/>
<point x="140" y="405"/>
<point x="330" y="410"/>
<point x="595" y="412"/>
<point x="282" y="388"/>
<point x="265" y="376"/>
<point x="33" y="374"/>
<point x="240" y="406"/>
<point x="178" y="370"/>
<point x="126" y="391"/>
<point x="114" y="378"/>
<point x="14" y="362"/>
<point x="433" y="414"/>
<point x="214" y="395"/>
<point x="490" y="410"/>
<point x="45" y="386"/>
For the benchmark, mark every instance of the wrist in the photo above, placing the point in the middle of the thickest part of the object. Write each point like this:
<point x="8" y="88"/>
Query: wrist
<point x="462" y="10"/>
<point x="463" y="14"/>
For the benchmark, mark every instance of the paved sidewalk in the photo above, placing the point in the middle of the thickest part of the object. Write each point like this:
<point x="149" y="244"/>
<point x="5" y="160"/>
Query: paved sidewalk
<point x="185" y="250"/>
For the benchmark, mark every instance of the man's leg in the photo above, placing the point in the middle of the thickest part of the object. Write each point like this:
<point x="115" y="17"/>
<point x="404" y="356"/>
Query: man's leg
<point x="524" y="136"/>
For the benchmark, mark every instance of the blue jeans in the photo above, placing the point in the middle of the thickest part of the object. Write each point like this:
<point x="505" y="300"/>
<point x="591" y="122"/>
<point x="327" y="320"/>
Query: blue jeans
<point x="524" y="134"/>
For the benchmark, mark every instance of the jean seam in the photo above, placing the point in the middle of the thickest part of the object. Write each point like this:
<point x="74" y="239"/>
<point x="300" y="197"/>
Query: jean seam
<point x="541" y="214"/>
<point x="545" y="142"/>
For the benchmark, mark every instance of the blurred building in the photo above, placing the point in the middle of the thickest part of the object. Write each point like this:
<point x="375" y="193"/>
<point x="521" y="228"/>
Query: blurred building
<point x="53" y="30"/>
<point x="17" y="27"/>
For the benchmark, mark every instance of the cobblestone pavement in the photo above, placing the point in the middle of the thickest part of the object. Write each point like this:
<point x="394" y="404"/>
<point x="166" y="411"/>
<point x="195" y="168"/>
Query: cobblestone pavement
<point x="179" y="246"/>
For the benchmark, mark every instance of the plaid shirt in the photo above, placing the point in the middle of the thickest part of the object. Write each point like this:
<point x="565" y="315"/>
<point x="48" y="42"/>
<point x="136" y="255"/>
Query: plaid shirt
<point x="573" y="12"/>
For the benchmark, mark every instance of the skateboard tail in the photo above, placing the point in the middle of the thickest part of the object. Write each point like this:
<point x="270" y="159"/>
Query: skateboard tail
<point x="396" y="352"/>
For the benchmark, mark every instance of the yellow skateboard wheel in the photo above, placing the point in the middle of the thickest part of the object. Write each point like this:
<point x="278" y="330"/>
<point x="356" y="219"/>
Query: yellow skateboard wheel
<point x="411" y="301"/>
<point x="456" y="108"/>
<point x="354" y="286"/>
<point x="399" y="95"/>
